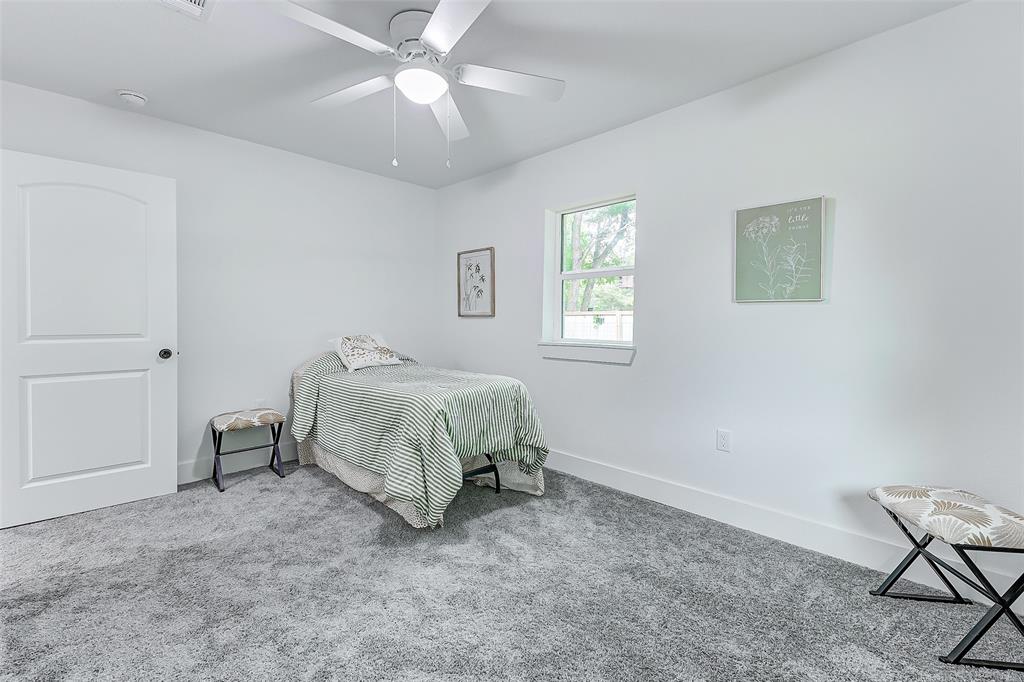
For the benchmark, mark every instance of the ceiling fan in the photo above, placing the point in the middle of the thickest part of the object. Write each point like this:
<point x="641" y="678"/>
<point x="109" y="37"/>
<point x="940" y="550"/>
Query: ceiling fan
<point x="422" y="44"/>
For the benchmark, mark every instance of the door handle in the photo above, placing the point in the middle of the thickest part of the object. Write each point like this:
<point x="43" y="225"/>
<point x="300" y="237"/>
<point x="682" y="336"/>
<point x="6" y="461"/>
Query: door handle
<point x="165" y="353"/>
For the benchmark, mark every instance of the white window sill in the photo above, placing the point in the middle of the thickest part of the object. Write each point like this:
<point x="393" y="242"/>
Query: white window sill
<point x="582" y="351"/>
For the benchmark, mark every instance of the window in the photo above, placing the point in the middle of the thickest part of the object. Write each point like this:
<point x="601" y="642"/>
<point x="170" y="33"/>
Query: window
<point x="596" y="247"/>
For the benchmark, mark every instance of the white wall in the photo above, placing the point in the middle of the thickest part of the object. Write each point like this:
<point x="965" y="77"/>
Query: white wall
<point x="911" y="371"/>
<point x="276" y="253"/>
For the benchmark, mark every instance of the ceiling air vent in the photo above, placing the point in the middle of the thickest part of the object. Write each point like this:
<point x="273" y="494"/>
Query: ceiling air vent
<point x="197" y="9"/>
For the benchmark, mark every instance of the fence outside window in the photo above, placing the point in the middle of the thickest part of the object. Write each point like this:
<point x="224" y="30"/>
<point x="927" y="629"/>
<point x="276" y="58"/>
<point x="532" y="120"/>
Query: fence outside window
<point x="598" y="325"/>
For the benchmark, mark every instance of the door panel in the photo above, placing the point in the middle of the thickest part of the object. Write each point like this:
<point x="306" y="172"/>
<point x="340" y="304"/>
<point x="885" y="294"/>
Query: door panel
<point x="85" y="262"/>
<point x="88" y="285"/>
<point x="83" y="408"/>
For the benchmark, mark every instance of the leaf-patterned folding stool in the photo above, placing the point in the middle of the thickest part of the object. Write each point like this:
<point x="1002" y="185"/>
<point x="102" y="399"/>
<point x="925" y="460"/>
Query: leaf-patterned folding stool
<point x="967" y="523"/>
<point x="247" y="419"/>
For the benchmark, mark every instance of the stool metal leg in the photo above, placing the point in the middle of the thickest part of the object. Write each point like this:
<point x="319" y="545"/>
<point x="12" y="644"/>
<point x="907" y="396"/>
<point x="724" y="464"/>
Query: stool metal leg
<point x="275" y="456"/>
<point x="919" y="550"/>
<point x="218" y="475"/>
<point x="213" y="440"/>
<point x="1001" y="606"/>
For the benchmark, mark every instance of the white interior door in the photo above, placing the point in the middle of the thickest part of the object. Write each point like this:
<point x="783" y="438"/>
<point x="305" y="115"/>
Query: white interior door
<point x="88" y="408"/>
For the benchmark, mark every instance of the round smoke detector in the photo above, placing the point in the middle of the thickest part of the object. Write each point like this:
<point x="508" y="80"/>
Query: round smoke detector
<point x="136" y="99"/>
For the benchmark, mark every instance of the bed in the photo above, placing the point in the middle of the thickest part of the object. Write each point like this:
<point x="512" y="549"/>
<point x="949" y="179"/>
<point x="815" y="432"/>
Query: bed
<point x="405" y="434"/>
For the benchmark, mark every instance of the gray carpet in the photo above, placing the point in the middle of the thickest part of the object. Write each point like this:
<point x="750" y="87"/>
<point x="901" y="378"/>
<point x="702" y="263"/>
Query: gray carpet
<point x="303" y="578"/>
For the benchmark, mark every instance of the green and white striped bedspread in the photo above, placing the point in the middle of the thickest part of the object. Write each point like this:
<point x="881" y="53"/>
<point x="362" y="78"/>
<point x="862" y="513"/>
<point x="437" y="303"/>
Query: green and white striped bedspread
<point x="413" y="424"/>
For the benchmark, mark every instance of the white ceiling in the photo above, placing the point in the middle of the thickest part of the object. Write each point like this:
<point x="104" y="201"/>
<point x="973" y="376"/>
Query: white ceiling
<point x="251" y="73"/>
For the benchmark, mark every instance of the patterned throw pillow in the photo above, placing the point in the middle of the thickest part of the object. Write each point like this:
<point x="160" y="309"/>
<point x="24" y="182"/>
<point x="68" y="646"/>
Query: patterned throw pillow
<point x="364" y="350"/>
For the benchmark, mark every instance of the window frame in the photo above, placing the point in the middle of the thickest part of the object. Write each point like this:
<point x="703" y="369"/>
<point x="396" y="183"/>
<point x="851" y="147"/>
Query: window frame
<point x="554" y="344"/>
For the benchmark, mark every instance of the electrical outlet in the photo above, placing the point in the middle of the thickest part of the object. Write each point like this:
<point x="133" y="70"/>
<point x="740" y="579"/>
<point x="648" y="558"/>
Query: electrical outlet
<point x="723" y="440"/>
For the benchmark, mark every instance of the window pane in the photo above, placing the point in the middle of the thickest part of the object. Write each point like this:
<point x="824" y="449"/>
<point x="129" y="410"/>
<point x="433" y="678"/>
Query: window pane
<point x="598" y="238"/>
<point x="598" y="309"/>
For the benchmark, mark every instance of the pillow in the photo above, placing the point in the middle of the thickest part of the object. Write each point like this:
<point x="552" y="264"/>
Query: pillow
<point x="364" y="350"/>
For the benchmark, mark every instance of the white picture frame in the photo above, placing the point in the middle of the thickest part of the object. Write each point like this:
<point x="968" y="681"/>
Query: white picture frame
<point x="475" y="282"/>
<point x="779" y="252"/>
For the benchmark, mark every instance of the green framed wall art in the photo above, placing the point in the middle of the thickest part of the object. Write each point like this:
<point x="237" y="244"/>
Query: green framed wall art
<point x="779" y="252"/>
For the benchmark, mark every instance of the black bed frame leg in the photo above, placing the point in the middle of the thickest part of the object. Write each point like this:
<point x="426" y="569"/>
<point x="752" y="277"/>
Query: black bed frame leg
<point x="491" y="468"/>
<point x="497" y="476"/>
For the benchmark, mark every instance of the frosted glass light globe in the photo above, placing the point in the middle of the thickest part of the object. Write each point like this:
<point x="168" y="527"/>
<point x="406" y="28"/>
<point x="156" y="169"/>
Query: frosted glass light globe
<point x="421" y="85"/>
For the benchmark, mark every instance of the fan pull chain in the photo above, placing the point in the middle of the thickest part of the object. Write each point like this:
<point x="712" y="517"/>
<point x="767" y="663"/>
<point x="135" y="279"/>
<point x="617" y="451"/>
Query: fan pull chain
<point x="394" y="124"/>
<point x="448" y="132"/>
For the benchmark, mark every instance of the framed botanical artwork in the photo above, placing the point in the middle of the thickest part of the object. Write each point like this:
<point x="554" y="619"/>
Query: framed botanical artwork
<point x="779" y="251"/>
<point x="476" y="282"/>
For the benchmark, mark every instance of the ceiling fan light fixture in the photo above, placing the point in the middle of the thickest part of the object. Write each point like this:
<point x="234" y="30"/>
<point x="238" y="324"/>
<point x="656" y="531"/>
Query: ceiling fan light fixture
<point x="421" y="83"/>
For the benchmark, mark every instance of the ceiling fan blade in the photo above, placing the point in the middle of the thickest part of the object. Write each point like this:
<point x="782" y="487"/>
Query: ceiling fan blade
<point x="329" y="26"/>
<point x="459" y="131"/>
<point x="509" y="81"/>
<point x="451" y="18"/>
<point x="357" y="91"/>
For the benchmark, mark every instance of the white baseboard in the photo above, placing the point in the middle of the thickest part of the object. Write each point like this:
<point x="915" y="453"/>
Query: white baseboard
<point x="199" y="469"/>
<point x="872" y="552"/>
